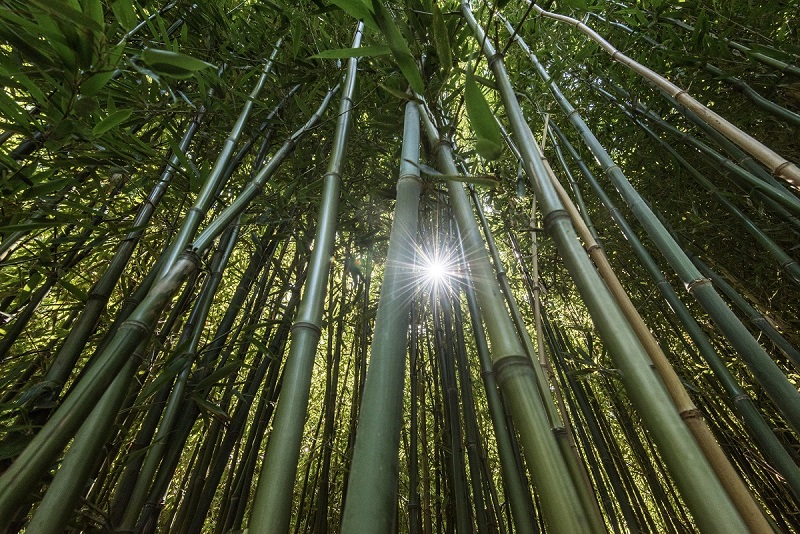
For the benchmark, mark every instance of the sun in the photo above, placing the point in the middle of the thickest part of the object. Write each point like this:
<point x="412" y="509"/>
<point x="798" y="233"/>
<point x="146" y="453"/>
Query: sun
<point x="437" y="270"/>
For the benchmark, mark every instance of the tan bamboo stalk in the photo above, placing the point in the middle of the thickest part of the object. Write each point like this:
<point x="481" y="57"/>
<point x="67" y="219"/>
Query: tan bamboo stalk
<point x="730" y="479"/>
<point x="777" y="164"/>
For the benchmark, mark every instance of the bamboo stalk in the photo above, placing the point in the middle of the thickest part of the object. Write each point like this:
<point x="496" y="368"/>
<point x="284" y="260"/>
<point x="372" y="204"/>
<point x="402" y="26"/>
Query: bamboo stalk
<point x="782" y="392"/>
<point x="688" y="411"/>
<point x="371" y="491"/>
<point x="778" y="165"/>
<point x="512" y="367"/>
<point x="643" y="387"/>
<point x="513" y="474"/>
<point x="763" y="433"/>
<point x="272" y="503"/>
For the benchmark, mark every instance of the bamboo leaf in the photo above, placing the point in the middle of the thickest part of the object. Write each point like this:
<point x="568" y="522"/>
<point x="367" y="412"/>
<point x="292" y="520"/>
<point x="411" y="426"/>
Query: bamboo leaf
<point x="488" y="180"/>
<point x="442" y="40"/>
<point x="74" y="290"/>
<point x="396" y="92"/>
<point x="219" y="374"/>
<point x="174" y="64"/>
<point x="363" y="51"/>
<point x="112" y="120"/>
<point x="357" y="9"/>
<point x="126" y="16"/>
<point x="212" y="409"/>
<point x="400" y="50"/>
<point x="95" y="84"/>
<point x="489" y="139"/>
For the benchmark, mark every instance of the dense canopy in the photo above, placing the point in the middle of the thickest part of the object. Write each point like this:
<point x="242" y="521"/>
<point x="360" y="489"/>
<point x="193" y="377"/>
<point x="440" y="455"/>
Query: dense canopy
<point x="377" y="266"/>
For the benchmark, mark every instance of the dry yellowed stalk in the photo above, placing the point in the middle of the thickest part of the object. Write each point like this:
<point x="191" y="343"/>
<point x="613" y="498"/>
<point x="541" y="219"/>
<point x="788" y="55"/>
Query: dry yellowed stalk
<point x="733" y="484"/>
<point x="777" y="164"/>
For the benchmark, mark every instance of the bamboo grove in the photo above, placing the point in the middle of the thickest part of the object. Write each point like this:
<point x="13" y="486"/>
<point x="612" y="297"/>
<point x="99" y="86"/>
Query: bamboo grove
<point x="432" y="266"/>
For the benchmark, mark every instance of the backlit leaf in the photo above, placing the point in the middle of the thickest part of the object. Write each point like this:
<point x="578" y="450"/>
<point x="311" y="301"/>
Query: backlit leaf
<point x="489" y="139"/>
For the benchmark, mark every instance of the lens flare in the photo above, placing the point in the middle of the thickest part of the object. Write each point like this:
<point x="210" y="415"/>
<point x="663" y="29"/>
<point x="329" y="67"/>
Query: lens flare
<point x="438" y="270"/>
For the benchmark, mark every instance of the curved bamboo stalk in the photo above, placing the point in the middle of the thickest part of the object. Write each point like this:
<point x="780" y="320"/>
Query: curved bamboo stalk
<point x="193" y="329"/>
<point x="778" y="165"/>
<point x="643" y="387"/>
<point x="272" y="503"/>
<point x="68" y="354"/>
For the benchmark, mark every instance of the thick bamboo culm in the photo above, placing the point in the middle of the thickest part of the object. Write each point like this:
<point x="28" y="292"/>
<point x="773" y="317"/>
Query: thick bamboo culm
<point x="372" y="485"/>
<point x="651" y="399"/>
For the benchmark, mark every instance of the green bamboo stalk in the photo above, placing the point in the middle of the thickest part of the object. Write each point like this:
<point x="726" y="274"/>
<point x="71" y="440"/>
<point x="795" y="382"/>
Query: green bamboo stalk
<point x="55" y="511"/>
<point x="371" y="491"/>
<point x="782" y="392"/>
<point x="454" y="468"/>
<point x="68" y="354"/>
<point x="752" y="314"/>
<point x="763" y="433"/>
<point x="217" y="176"/>
<point x="414" y="506"/>
<point x="559" y="421"/>
<point x="60" y="428"/>
<point x="786" y="262"/>
<point x="512" y="366"/>
<point x="272" y="504"/>
<point x="698" y="482"/>
<point x="782" y="66"/>
<point x="193" y="331"/>
<point x="471" y="432"/>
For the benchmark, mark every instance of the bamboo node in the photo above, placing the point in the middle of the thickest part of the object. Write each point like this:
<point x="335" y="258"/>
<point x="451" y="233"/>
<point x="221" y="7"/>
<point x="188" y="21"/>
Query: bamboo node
<point x="503" y="367"/>
<point x="497" y="56"/>
<point x="305" y="324"/>
<point x="141" y="326"/>
<point x="694" y="413"/>
<point x="680" y="93"/>
<point x="552" y="217"/>
<point x="443" y="142"/>
<point x="779" y="169"/>
<point x="690" y="286"/>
